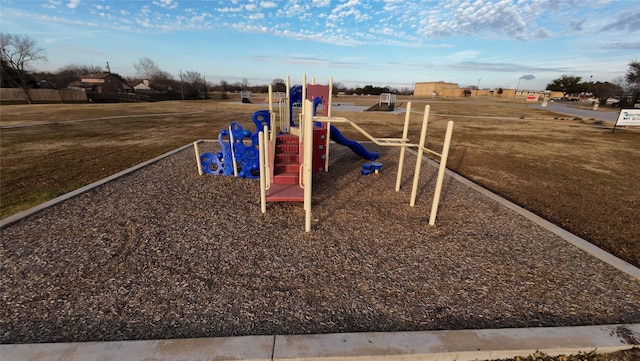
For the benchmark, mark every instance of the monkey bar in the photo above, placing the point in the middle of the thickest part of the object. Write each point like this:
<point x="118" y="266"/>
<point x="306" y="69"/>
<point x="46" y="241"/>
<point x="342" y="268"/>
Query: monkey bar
<point x="404" y="143"/>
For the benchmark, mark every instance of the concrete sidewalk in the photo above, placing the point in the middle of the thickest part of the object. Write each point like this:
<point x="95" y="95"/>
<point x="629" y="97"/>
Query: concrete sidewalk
<point x="422" y="345"/>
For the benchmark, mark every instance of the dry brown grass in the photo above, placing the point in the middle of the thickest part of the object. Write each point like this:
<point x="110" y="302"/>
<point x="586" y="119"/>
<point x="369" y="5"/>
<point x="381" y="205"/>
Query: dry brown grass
<point x="575" y="174"/>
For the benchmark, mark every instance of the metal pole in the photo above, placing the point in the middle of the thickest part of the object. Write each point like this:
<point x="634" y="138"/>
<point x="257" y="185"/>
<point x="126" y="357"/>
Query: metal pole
<point x="195" y="148"/>
<point x="328" y="125"/>
<point x="308" y="158"/>
<point x="441" y="171"/>
<point x="423" y="136"/>
<point x="263" y="175"/>
<point x="405" y="133"/>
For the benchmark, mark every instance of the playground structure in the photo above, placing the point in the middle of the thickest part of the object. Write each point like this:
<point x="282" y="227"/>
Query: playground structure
<point x="292" y="144"/>
<point x="386" y="103"/>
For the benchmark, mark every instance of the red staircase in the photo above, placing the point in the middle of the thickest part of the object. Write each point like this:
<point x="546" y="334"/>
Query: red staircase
<point x="285" y="185"/>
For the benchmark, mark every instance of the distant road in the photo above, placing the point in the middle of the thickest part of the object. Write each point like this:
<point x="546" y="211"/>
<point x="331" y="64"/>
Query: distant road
<point x="566" y="108"/>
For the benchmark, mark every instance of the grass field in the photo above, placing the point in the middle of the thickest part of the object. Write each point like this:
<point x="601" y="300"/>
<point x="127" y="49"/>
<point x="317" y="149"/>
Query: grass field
<point x="574" y="173"/>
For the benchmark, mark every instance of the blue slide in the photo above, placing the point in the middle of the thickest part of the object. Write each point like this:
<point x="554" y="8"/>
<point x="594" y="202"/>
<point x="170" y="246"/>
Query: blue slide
<point x="356" y="147"/>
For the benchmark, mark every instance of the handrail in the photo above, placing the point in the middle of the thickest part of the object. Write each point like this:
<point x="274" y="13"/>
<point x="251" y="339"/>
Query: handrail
<point x="283" y="115"/>
<point x="300" y="176"/>
<point x="384" y="142"/>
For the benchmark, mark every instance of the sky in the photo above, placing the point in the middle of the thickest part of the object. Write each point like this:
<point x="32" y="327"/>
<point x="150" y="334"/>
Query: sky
<point x="510" y="44"/>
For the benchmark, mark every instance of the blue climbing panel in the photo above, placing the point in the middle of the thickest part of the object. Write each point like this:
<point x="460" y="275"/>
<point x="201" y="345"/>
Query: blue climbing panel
<point x="244" y="148"/>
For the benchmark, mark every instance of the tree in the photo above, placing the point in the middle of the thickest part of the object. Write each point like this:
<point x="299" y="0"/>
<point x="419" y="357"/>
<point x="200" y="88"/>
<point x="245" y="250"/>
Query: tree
<point x="606" y="90"/>
<point x="16" y="54"/>
<point x="278" y="85"/>
<point x="147" y="68"/>
<point x="567" y="84"/>
<point x="74" y="72"/>
<point x="633" y="79"/>
<point x="193" y="81"/>
<point x="192" y="77"/>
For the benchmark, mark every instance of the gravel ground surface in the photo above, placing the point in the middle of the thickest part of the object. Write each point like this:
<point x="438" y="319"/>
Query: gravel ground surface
<point x="165" y="253"/>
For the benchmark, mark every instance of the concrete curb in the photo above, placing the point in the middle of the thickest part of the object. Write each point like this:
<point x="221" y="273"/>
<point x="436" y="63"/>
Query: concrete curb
<point x="423" y="345"/>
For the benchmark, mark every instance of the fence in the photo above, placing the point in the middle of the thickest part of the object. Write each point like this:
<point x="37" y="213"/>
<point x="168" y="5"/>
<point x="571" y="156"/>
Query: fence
<point x="17" y="95"/>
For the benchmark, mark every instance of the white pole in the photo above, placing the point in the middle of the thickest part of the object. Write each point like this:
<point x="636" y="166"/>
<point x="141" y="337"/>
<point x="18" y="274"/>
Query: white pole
<point x="285" y="110"/>
<point x="271" y="106"/>
<point x="329" y="104"/>
<point x="304" y="90"/>
<point x="308" y="158"/>
<point x="263" y="175"/>
<point x="233" y="153"/>
<point x="441" y="171"/>
<point x="195" y="147"/>
<point x="405" y="133"/>
<point x="270" y="98"/>
<point x="330" y="100"/>
<point x="423" y="136"/>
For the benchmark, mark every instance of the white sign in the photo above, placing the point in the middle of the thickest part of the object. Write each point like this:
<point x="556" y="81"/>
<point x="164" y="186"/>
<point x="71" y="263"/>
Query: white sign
<point x="629" y="117"/>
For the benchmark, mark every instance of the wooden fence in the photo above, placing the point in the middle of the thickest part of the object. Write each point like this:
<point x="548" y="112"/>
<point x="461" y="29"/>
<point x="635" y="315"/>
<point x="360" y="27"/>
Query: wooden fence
<point x="17" y="95"/>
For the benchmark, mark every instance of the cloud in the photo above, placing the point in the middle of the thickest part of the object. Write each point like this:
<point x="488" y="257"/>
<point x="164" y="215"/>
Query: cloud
<point x="503" y="67"/>
<point x="575" y="25"/>
<point x="348" y="9"/>
<point x="626" y="22"/>
<point x="52" y="4"/>
<point x="474" y="18"/>
<point x="73" y="4"/>
<point x="622" y="45"/>
<point x="256" y="16"/>
<point x="268" y="4"/>
<point x="321" y="3"/>
<point x="542" y="34"/>
<point x="403" y="23"/>
<point x="527" y="77"/>
<point x="167" y="4"/>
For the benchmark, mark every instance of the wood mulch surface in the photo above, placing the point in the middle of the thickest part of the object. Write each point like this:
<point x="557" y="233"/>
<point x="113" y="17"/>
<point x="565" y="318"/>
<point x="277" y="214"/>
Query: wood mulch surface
<point x="165" y="253"/>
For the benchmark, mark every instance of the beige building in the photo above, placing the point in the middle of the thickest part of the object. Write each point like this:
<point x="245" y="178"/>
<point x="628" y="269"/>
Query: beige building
<point x="452" y="90"/>
<point x="437" y="88"/>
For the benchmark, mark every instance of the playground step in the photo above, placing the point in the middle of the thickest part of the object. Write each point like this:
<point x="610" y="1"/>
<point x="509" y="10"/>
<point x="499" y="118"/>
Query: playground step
<point x="287" y="157"/>
<point x="287" y="148"/>
<point x="288" y="138"/>
<point x="283" y="167"/>
<point x="285" y="193"/>
<point x="287" y="165"/>
<point x="286" y="178"/>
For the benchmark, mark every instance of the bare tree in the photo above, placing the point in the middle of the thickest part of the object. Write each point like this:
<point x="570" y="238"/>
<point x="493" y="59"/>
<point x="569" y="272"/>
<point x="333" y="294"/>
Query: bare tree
<point x="194" y="82"/>
<point x="16" y="54"/>
<point x="192" y="77"/>
<point x="80" y="70"/>
<point x="147" y="68"/>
